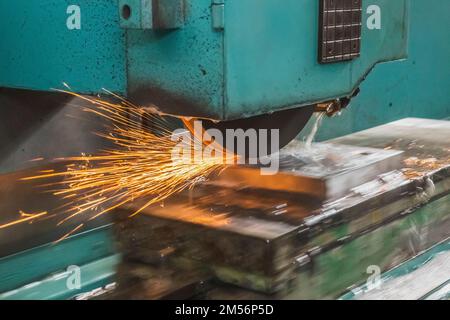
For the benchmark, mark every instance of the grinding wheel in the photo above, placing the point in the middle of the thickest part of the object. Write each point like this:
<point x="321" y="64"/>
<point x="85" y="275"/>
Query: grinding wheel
<point x="288" y="122"/>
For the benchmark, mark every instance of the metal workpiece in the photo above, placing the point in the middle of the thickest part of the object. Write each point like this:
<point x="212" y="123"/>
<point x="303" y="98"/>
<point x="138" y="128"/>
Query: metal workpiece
<point x="417" y="138"/>
<point x="283" y="243"/>
<point x="219" y="236"/>
<point x="323" y="170"/>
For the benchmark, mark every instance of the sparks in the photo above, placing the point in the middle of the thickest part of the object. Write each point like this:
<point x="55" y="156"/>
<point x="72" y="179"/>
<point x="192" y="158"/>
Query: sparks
<point x="140" y="166"/>
<point x="24" y="217"/>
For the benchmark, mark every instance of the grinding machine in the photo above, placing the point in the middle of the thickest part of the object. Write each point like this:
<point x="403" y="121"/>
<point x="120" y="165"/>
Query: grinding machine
<point x="335" y="211"/>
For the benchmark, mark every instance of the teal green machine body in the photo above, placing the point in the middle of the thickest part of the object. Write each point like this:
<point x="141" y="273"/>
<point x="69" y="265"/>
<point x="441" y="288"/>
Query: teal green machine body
<point x="220" y="59"/>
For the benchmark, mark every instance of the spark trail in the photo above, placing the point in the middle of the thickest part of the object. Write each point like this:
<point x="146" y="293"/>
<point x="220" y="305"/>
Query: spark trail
<point x="139" y="166"/>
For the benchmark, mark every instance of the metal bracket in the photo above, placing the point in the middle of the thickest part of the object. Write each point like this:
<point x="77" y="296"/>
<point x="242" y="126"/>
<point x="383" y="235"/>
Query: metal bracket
<point x="152" y="14"/>
<point x="218" y="14"/>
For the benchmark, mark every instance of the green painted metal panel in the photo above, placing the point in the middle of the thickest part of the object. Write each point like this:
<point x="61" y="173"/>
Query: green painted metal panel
<point x="271" y="53"/>
<point x="94" y="275"/>
<point x="264" y="60"/>
<point x="38" y="51"/>
<point x="181" y="70"/>
<point x="248" y="67"/>
<point x="36" y="264"/>
<point x="406" y="268"/>
<point x="416" y="87"/>
<point x="224" y="59"/>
